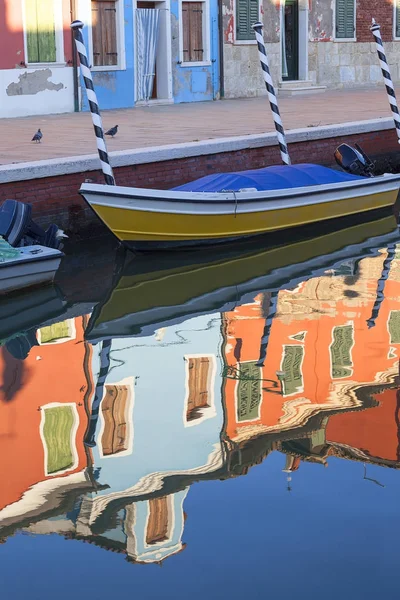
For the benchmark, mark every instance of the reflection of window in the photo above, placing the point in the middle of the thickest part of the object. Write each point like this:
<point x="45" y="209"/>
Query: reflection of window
<point x="247" y="13"/>
<point x="248" y="391"/>
<point x="57" y="333"/>
<point x="104" y="33"/>
<point x="59" y="424"/>
<point x="40" y="31"/>
<point x="193" y="26"/>
<point x="291" y="367"/>
<point x="115" y="438"/>
<point x="157" y="523"/>
<point x="394" y="326"/>
<point x="345" y="18"/>
<point x="200" y="373"/>
<point x="341" y="351"/>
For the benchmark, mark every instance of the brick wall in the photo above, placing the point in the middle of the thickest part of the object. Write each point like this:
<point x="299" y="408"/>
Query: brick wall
<point x="381" y="11"/>
<point x="56" y="199"/>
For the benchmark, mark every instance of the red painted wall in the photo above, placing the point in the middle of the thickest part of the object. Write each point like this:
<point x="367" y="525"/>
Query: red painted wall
<point x="11" y="34"/>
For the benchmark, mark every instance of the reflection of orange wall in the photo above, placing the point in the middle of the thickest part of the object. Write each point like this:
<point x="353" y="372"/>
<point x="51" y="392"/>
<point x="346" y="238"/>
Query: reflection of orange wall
<point x="51" y="373"/>
<point x="315" y="307"/>
<point x="373" y="431"/>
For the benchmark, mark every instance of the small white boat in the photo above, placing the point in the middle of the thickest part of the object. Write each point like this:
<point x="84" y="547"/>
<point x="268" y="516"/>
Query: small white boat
<point x="28" y="266"/>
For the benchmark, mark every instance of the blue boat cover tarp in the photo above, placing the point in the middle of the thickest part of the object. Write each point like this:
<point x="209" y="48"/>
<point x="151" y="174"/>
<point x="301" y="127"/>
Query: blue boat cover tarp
<point x="269" y="178"/>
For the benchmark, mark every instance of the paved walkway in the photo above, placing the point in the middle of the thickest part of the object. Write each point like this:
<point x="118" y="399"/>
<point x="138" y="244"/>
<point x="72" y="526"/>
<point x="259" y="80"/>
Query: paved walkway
<point x="72" y="134"/>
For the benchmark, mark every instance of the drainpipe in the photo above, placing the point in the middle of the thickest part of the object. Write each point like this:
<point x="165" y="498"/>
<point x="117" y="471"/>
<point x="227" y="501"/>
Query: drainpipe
<point x="74" y="59"/>
<point x="221" y="50"/>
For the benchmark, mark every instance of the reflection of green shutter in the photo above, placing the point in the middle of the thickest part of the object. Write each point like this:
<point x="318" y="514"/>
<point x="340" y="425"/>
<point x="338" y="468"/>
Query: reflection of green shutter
<point x="345" y="13"/>
<point x="291" y="367"/>
<point x="248" y="391"/>
<point x="247" y="13"/>
<point x="40" y="31"/>
<point x="397" y="18"/>
<point x="341" y="351"/>
<point x="57" y="431"/>
<point x="54" y="332"/>
<point x="394" y="326"/>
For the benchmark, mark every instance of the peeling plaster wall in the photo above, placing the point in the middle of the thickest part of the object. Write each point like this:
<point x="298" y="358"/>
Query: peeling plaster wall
<point x="42" y="91"/>
<point x="320" y="20"/>
<point x="242" y="73"/>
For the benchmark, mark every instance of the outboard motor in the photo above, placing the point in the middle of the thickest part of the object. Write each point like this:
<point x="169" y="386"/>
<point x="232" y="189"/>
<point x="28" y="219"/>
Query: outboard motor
<point x="18" y="228"/>
<point x="354" y="160"/>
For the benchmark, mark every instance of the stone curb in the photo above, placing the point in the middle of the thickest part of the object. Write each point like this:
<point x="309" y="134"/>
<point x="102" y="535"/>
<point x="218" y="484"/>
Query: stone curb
<point x="79" y="164"/>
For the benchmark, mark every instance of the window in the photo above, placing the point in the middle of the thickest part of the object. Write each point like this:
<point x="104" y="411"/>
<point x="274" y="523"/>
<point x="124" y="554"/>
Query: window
<point x="57" y="333"/>
<point x="247" y="13"/>
<point x="158" y="521"/>
<point x="394" y="326"/>
<point x="59" y="425"/>
<point x="115" y="406"/>
<point x="40" y="26"/>
<point x="345" y="19"/>
<point x="248" y="391"/>
<point x="193" y="29"/>
<point x="104" y="33"/>
<point x="341" y="362"/>
<point x="291" y="366"/>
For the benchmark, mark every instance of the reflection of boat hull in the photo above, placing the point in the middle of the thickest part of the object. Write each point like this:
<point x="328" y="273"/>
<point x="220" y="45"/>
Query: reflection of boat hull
<point x="149" y="219"/>
<point x="180" y="286"/>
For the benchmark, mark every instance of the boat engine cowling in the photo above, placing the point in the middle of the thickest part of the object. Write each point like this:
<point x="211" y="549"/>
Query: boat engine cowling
<point x="354" y="160"/>
<point x="19" y="229"/>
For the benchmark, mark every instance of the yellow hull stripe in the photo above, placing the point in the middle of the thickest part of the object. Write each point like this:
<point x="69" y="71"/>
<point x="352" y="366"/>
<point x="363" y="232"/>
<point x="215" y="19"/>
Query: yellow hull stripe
<point x="141" y="225"/>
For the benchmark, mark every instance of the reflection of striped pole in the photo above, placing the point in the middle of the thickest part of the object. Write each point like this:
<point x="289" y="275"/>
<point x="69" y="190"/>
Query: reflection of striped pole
<point x="376" y="30"/>
<point x="258" y="28"/>
<point x="267" y="328"/>
<point x="76" y="26"/>
<point x="391" y="253"/>
<point x="98" y="393"/>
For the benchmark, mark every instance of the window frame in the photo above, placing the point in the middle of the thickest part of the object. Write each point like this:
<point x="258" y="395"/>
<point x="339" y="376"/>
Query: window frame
<point x="129" y="383"/>
<point x="237" y="42"/>
<point x="206" y="36"/>
<point x="120" y="21"/>
<point x="73" y="440"/>
<point x="207" y="412"/>
<point x="345" y="40"/>
<point x="59" y="37"/>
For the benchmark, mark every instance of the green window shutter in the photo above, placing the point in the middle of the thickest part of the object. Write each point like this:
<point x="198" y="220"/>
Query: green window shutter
<point x="341" y="351"/>
<point x="397" y="18"/>
<point x="291" y="367"/>
<point x="57" y="433"/>
<point x="345" y="13"/>
<point x="248" y="391"/>
<point x="247" y="13"/>
<point x="394" y="326"/>
<point x="40" y="31"/>
<point x="55" y="332"/>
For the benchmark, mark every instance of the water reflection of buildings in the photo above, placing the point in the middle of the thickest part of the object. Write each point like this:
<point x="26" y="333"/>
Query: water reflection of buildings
<point x="301" y="372"/>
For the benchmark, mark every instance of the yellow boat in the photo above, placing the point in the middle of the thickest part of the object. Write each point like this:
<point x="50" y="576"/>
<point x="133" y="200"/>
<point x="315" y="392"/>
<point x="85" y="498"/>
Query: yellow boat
<point x="226" y="206"/>
<point x="153" y="291"/>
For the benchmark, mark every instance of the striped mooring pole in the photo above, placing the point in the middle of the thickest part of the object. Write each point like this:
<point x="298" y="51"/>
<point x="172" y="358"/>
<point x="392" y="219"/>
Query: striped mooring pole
<point x="258" y="29"/>
<point x="376" y="31"/>
<point x="76" y="27"/>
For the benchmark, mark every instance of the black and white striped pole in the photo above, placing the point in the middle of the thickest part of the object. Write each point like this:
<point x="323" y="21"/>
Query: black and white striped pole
<point x="376" y="31"/>
<point x="76" y="27"/>
<point x="258" y="29"/>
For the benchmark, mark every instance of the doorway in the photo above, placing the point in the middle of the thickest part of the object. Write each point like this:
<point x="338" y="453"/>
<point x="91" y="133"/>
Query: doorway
<point x="290" y="40"/>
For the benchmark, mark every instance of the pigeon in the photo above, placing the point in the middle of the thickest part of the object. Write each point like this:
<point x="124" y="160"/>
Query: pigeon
<point x="112" y="131"/>
<point x="37" y="137"/>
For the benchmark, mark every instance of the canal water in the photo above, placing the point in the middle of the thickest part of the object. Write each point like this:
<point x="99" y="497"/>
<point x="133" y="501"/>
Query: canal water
<point x="214" y="424"/>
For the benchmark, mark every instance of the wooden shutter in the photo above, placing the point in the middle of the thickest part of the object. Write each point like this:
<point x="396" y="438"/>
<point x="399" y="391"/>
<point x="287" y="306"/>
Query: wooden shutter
<point x="291" y="366"/>
<point x="40" y="31"/>
<point x="397" y="18"/>
<point x="345" y="12"/>
<point x="247" y="13"/>
<point x="104" y="33"/>
<point x="57" y="431"/>
<point x="248" y="391"/>
<point x="113" y="406"/>
<point x="192" y="29"/>
<point x="199" y="370"/>
<point x="341" y="351"/>
<point x="157" y="524"/>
